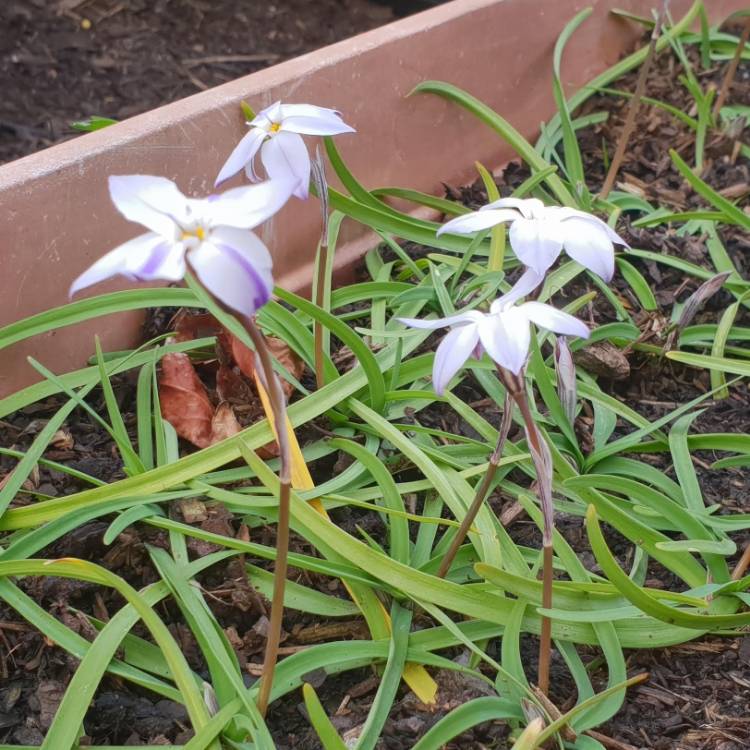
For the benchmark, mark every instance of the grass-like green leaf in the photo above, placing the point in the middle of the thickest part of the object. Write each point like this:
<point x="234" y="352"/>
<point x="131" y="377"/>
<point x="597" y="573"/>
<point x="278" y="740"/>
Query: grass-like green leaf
<point x="644" y="601"/>
<point x="322" y="725"/>
<point x="573" y="160"/>
<point x="466" y="716"/>
<point x="726" y="207"/>
<point x="501" y="126"/>
<point x="86" y="571"/>
<point x="707" y="362"/>
<point x="94" y="307"/>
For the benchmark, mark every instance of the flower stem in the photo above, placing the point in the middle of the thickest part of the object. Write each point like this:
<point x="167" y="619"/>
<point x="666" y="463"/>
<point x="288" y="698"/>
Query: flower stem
<point x="317" y="326"/>
<point x="278" y="406"/>
<point x="320" y="184"/>
<point x="542" y="459"/>
<point x="481" y="492"/>
<point x="545" y="636"/>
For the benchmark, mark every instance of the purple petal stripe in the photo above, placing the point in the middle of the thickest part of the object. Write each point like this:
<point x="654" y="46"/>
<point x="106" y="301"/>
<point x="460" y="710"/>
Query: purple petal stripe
<point x="262" y="290"/>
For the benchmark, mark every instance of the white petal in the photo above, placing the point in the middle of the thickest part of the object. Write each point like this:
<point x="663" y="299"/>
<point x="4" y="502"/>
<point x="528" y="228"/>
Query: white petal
<point x="246" y="207"/>
<point x="527" y="282"/>
<point x="477" y="221"/>
<point x="471" y="316"/>
<point x="166" y="263"/>
<point x="528" y="207"/>
<point x="553" y="319"/>
<point x="589" y="244"/>
<point x="143" y="258"/>
<point x="155" y="202"/>
<point x="564" y="214"/>
<point x="284" y="156"/>
<point x="307" y="110"/>
<point x="536" y="242"/>
<point x="453" y="351"/>
<point x="250" y="172"/>
<point x="243" y="154"/>
<point x="235" y="266"/>
<point x="253" y="248"/>
<point x="268" y="115"/>
<point x="320" y="125"/>
<point x="506" y="338"/>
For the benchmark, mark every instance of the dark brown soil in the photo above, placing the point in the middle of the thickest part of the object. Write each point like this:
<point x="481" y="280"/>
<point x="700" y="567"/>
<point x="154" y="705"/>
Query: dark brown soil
<point x="66" y="60"/>
<point x="696" y="698"/>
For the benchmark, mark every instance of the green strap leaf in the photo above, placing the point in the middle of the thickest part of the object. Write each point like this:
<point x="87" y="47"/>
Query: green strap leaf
<point x="501" y="126"/>
<point x="736" y="215"/>
<point x="322" y="725"/>
<point x="646" y="603"/>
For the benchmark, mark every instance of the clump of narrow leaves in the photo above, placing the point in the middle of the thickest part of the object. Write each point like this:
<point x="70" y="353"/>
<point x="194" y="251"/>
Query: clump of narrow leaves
<point x="425" y="451"/>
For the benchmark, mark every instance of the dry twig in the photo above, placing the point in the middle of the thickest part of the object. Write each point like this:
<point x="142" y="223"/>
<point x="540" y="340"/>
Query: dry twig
<point x="635" y="102"/>
<point x="726" y="83"/>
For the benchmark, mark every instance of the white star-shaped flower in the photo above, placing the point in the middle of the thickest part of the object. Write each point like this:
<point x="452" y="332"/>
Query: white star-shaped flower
<point x="539" y="233"/>
<point x="277" y="133"/>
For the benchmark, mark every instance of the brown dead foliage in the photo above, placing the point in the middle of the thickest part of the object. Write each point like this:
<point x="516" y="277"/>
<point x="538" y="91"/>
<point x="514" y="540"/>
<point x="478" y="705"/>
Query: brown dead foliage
<point x="186" y="401"/>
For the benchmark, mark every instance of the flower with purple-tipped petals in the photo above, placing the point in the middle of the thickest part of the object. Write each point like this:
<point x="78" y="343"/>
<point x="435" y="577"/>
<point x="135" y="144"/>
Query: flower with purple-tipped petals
<point x="539" y="233"/>
<point x="504" y="332"/>
<point x="212" y="236"/>
<point x="277" y="133"/>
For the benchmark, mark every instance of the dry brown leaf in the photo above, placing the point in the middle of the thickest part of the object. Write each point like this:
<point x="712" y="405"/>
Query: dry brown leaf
<point x="224" y="423"/>
<point x="33" y="481"/>
<point x="269" y="450"/>
<point x="294" y="365"/>
<point x="188" y="326"/>
<point x="245" y="358"/>
<point x="184" y="401"/>
<point x="242" y="356"/>
<point x="186" y="406"/>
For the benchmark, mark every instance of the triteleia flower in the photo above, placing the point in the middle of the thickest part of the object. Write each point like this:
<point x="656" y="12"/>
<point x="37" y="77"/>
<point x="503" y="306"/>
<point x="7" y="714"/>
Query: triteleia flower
<point x="504" y="333"/>
<point x="277" y="133"/>
<point x="539" y="233"/>
<point x="210" y="235"/>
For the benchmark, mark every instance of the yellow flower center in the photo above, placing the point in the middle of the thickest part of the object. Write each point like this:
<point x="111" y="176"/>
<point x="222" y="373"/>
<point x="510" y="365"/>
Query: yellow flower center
<point x="275" y="127"/>
<point x="200" y="233"/>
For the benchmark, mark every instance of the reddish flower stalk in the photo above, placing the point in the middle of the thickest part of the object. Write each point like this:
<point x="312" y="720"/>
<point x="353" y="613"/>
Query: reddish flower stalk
<point x="542" y="459"/>
<point x="481" y="492"/>
<point x="278" y="406"/>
